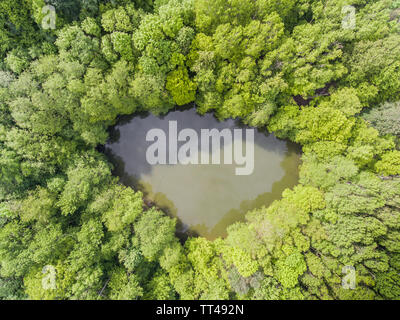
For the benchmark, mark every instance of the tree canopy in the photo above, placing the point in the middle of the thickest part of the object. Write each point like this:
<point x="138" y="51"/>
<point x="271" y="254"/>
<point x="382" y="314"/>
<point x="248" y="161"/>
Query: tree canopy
<point x="286" y="66"/>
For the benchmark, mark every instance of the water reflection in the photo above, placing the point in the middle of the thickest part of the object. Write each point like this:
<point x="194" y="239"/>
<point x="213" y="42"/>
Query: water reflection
<point x="205" y="198"/>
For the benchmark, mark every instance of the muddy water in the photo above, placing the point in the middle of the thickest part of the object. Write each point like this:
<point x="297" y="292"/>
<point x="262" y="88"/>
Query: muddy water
<point x="205" y="199"/>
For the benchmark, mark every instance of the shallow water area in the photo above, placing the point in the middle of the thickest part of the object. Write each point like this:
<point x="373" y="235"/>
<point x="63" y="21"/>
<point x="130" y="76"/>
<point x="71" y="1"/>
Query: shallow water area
<point x="206" y="198"/>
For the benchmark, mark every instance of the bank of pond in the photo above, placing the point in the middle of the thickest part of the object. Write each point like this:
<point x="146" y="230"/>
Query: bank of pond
<point x="206" y="173"/>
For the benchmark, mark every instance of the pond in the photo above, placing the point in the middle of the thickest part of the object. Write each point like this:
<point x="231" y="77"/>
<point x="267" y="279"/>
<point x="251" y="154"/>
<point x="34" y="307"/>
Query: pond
<point x="205" y="198"/>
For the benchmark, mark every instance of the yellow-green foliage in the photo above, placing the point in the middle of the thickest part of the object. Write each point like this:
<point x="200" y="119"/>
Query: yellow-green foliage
<point x="288" y="66"/>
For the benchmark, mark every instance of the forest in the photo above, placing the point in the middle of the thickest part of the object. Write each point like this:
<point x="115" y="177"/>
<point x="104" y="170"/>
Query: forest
<point x="70" y="230"/>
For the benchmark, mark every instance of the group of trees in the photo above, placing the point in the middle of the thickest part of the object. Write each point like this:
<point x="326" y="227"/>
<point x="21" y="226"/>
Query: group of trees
<point x="286" y="65"/>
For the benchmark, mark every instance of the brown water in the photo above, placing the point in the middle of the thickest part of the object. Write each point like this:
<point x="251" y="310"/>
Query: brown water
<point x="206" y="199"/>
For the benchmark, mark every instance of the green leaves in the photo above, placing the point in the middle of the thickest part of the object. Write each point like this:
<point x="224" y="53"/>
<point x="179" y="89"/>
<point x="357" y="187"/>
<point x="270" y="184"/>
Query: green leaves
<point x="126" y="208"/>
<point x="385" y="118"/>
<point x="155" y="232"/>
<point x="117" y="20"/>
<point x="310" y="61"/>
<point x="390" y="163"/>
<point x="325" y="174"/>
<point x="375" y="63"/>
<point x="86" y="177"/>
<point x="289" y="269"/>
<point x="75" y="45"/>
<point x="231" y="65"/>
<point x="123" y="286"/>
<point x="240" y="259"/>
<point x="109" y="95"/>
<point x="60" y="91"/>
<point x="324" y="124"/>
<point x="162" y="39"/>
<point x="182" y="89"/>
<point x="388" y="285"/>
<point x="19" y="28"/>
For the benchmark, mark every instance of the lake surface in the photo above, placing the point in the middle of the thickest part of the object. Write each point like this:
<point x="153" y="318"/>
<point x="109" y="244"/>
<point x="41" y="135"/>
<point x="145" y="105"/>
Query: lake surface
<point x="206" y="198"/>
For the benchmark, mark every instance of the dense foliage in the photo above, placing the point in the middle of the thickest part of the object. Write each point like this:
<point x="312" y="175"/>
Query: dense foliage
<point x="286" y="65"/>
